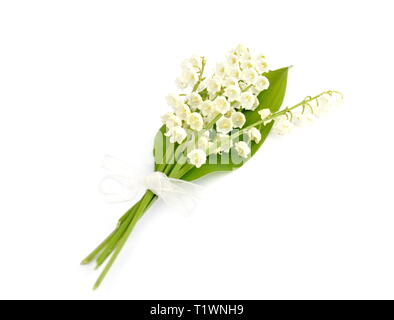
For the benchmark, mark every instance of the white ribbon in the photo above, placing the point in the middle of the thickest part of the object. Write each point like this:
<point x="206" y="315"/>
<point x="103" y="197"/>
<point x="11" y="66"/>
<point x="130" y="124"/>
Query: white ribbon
<point x="127" y="185"/>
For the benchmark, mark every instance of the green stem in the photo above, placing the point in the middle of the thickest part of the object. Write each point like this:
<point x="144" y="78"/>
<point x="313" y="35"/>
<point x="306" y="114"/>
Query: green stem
<point x="168" y="169"/>
<point x="104" y="244"/>
<point x="283" y="112"/>
<point x="96" y="251"/>
<point x="145" y="202"/>
<point x="247" y="88"/>
<point x="200" y="78"/>
<point x="177" y="167"/>
<point x="182" y="171"/>
<point x="168" y="154"/>
<point x="115" y="238"/>
<point x="213" y="121"/>
<point x="123" y="218"/>
<point x="302" y="103"/>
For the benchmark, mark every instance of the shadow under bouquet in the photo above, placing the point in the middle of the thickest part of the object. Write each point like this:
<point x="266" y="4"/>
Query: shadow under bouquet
<point x="217" y="123"/>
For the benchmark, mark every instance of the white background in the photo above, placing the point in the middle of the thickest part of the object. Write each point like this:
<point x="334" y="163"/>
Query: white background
<point x="310" y="216"/>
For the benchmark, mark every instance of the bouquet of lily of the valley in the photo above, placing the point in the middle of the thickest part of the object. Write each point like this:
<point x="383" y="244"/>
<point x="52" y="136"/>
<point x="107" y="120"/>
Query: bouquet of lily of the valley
<point x="216" y="123"/>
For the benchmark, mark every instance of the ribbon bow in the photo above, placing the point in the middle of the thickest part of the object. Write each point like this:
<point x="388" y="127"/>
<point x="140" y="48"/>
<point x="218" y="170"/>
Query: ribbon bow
<point x="127" y="185"/>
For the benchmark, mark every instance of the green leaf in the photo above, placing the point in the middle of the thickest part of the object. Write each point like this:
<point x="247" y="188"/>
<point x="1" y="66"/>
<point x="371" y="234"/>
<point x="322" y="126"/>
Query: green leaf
<point x="271" y="98"/>
<point x="163" y="150"/>
<point x="159" y="147"/>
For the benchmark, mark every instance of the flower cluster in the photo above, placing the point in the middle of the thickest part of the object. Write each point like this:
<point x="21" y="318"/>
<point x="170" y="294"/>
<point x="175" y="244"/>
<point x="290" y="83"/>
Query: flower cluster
<point x="205" y="118"/>
<point x="304" y="112"/>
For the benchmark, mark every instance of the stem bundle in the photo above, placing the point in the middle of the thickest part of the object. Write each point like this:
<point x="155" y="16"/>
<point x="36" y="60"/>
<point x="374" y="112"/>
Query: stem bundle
<point x="114" y="243"/>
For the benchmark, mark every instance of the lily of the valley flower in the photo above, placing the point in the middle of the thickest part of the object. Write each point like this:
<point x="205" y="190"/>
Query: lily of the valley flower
<point x="243" y="149"/>
<point x="264" y="113"/>
<point x="282" y="125"/>
<point x="254" y="134"/>
<point x="171" y="120"/>
<point x="176" y="134"/>
<point x="221" y="105"/>
<point x="197" y="157"/>
<point x="195" y="121"/>
<point x="224" y="125"/>
<point x="247" y="100"/>
<point x="238" y="119"/>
